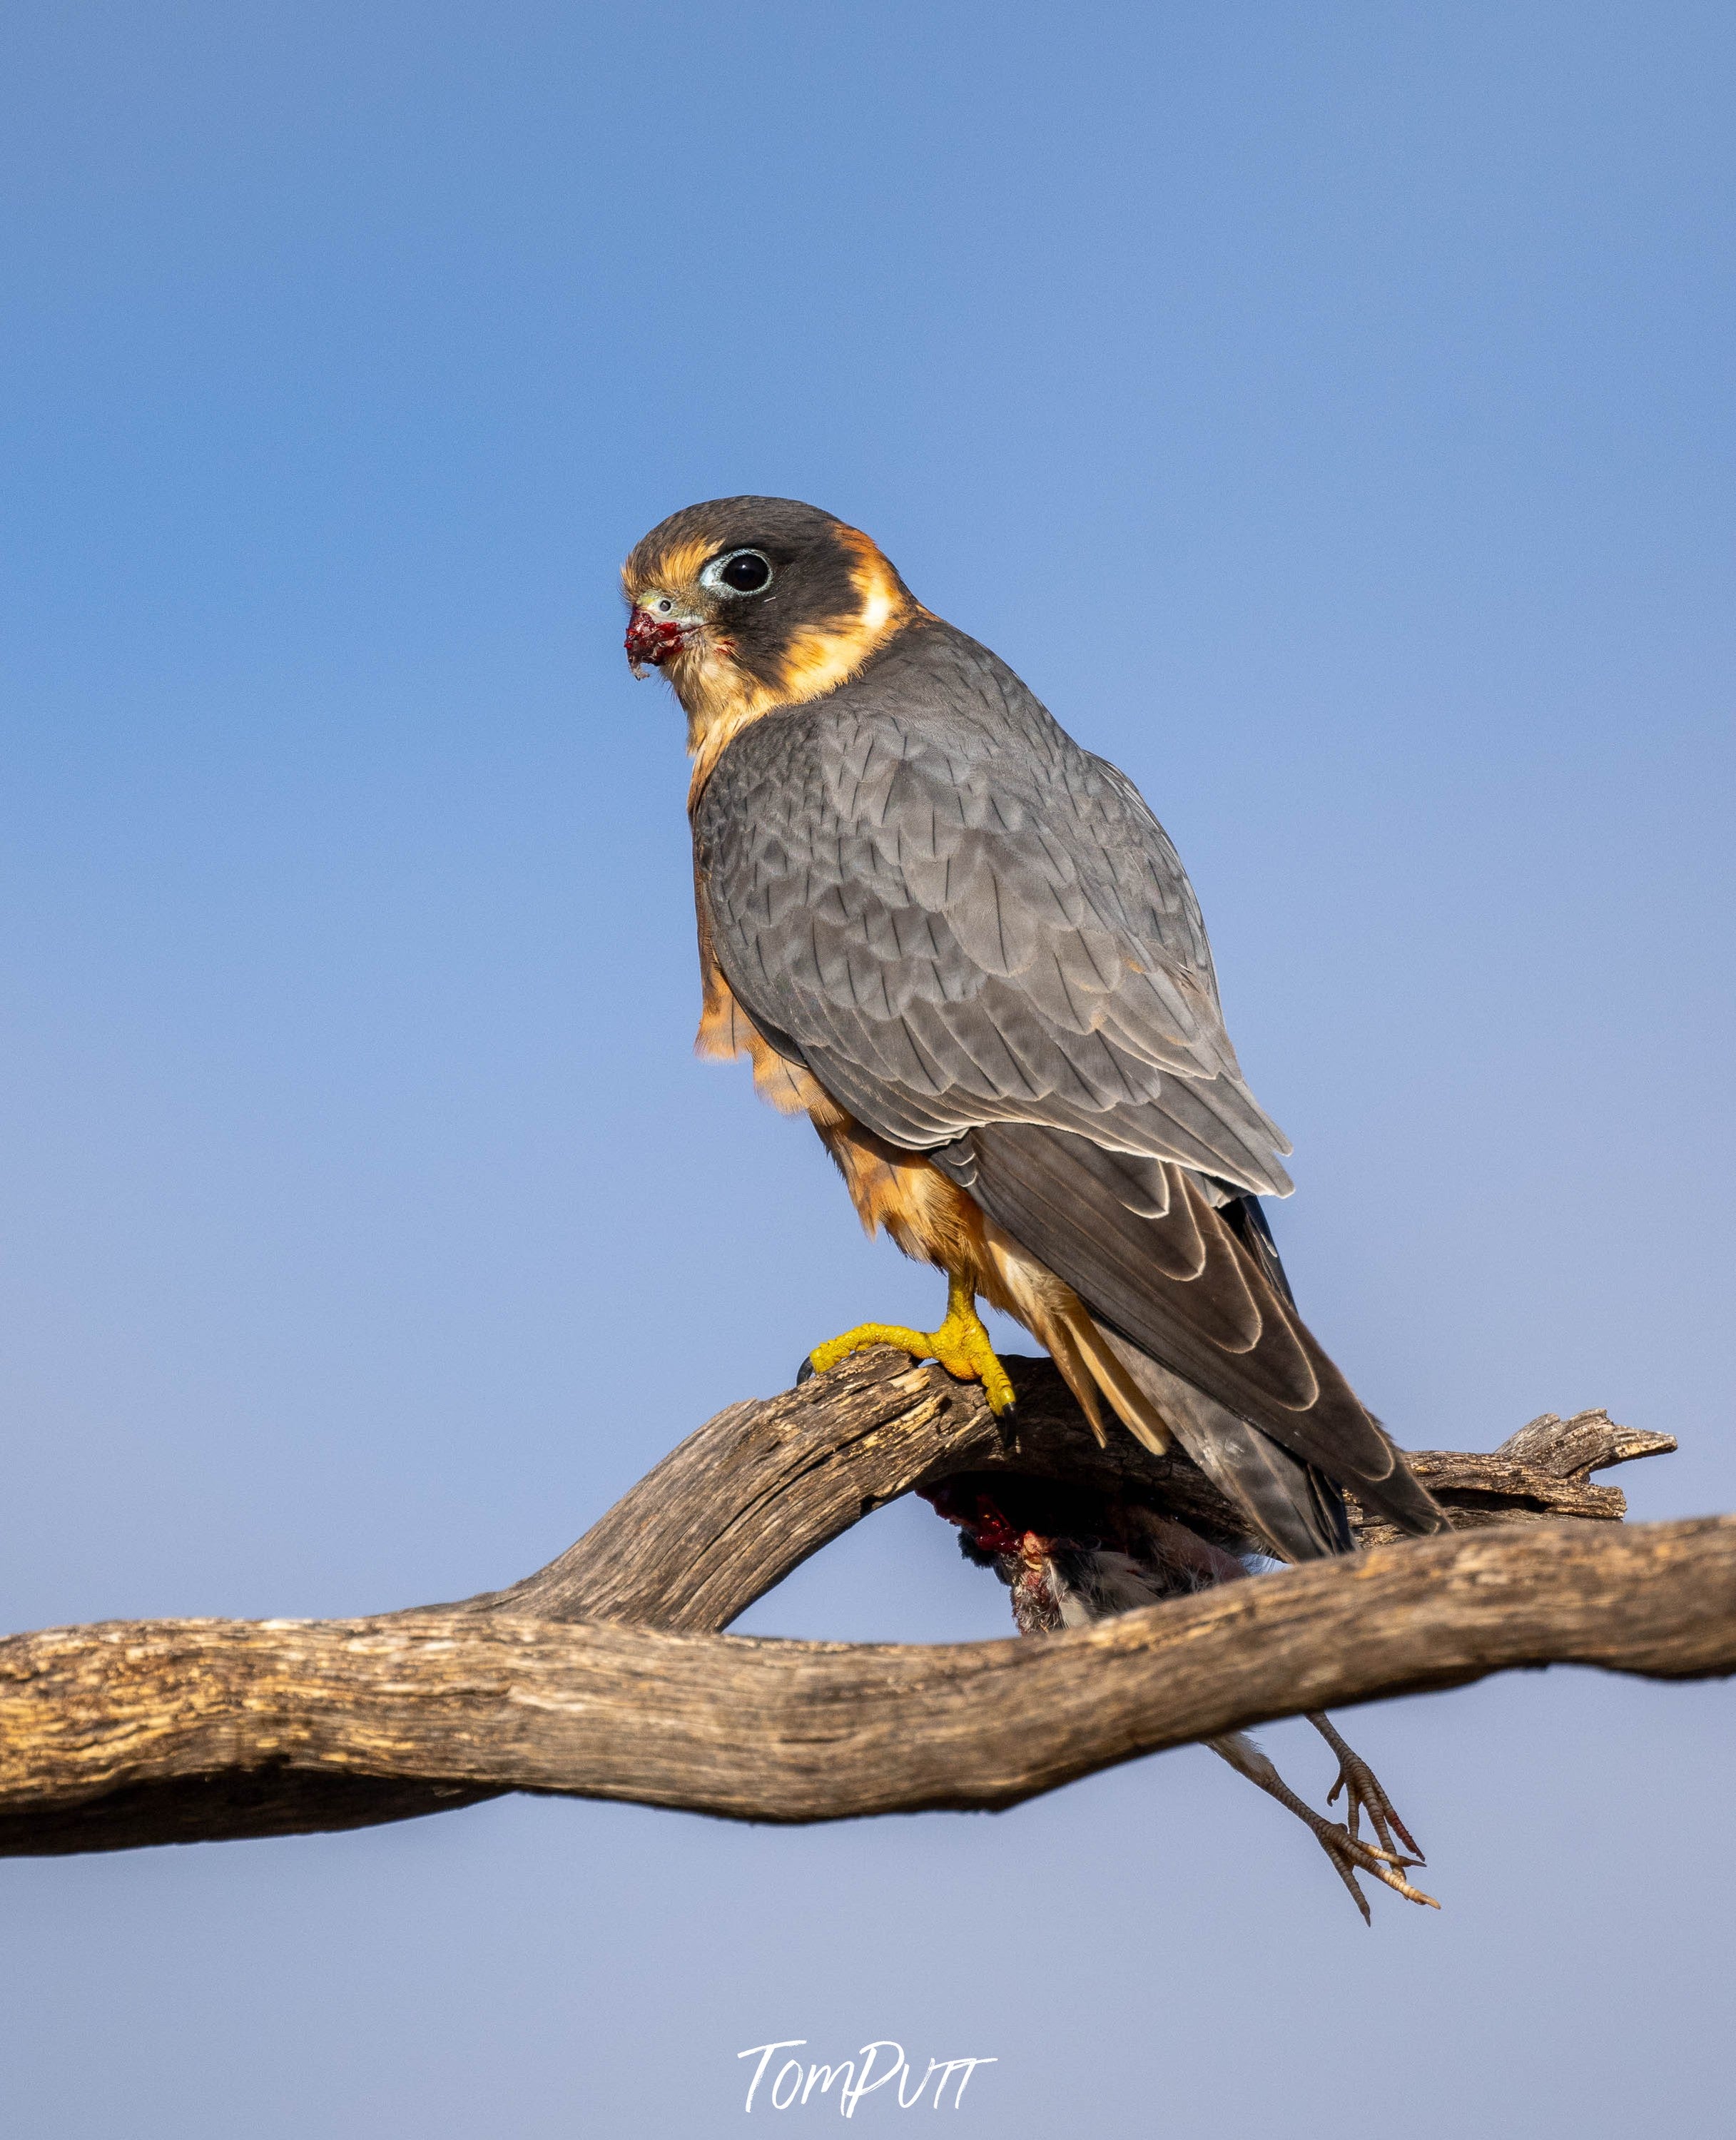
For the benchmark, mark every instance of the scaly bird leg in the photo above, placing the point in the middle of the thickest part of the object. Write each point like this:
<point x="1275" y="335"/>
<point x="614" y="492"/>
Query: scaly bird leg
<point x="1362" y="1787"/>
<point x="961" y="1345"/>
<point x="1349" y="1854"/>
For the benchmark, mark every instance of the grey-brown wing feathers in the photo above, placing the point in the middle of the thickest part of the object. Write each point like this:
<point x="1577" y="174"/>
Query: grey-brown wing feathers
<point x="1296" y="1508"/>
<point x="1187" y="1290"/>
<point x="959" y="916"/>
<point x="979" y="940"/>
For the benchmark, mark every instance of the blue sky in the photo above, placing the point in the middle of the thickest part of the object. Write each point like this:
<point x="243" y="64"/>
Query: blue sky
<point x="1327" y="410"/>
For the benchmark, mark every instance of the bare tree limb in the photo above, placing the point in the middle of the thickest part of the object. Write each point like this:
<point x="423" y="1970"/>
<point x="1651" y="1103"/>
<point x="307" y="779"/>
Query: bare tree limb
<point x="755" y="1491"/>
<point x="604" y="1676"/>
<point x="800" y="1731"/>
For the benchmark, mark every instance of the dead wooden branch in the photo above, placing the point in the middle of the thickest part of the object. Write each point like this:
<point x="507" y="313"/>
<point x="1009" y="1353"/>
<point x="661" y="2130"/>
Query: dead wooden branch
<point x="604" y="1674"/>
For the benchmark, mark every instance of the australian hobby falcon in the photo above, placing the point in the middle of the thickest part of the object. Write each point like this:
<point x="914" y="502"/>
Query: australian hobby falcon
<point x="965" y="948"/>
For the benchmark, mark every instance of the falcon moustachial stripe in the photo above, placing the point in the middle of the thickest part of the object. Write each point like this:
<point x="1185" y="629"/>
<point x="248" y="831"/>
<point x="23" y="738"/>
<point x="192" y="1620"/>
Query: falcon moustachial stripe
<point x="965" y="948"/>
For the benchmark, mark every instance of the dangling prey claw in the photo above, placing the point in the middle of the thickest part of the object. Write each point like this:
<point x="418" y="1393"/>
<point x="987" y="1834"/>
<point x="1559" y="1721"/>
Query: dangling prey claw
<point x="961" y="1345"/>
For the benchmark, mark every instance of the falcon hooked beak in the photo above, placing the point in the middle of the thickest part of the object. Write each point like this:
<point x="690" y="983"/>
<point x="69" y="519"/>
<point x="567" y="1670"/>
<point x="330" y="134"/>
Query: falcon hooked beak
<point x="657" y="629"/>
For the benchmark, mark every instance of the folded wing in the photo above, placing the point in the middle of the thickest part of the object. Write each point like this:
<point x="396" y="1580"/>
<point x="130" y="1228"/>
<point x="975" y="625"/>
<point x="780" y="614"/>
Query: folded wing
<point x="957" y="916"/>
<point x="978" y="940"/>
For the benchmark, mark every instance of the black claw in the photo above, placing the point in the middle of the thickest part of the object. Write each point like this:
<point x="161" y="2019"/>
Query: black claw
<point x="807" y="1371"/>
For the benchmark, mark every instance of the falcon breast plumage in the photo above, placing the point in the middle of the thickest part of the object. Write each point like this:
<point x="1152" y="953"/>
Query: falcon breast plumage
<point x="966" y="949"/>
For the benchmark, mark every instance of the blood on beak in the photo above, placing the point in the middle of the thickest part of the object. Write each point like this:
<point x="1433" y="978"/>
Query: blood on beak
<point x="650" y="640"/>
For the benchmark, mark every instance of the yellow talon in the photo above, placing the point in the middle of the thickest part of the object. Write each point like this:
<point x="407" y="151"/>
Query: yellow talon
<point x="961" y="1345"/>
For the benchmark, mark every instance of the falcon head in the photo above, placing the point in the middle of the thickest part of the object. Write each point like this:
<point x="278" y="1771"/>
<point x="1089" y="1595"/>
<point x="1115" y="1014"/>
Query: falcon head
<point x="748" y="603"/>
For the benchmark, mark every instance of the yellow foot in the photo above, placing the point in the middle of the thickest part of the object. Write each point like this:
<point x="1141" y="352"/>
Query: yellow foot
<point x="961" y="1345"/>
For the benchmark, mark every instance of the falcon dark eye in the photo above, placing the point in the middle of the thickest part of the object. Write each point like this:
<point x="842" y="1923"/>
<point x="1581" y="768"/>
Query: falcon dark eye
<point x="742" y="572"/>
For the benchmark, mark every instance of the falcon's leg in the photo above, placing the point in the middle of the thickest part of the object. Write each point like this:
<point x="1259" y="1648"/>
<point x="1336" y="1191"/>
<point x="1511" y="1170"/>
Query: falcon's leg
<point x="1362" y="1787"/>
<point x="1349" y="1854"/>
<point x="961" y="1345"/>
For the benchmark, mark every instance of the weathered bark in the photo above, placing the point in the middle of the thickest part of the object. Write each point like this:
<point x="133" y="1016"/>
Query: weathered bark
<point x="603" y="1675"/>
<point x="756" y="1490"/>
